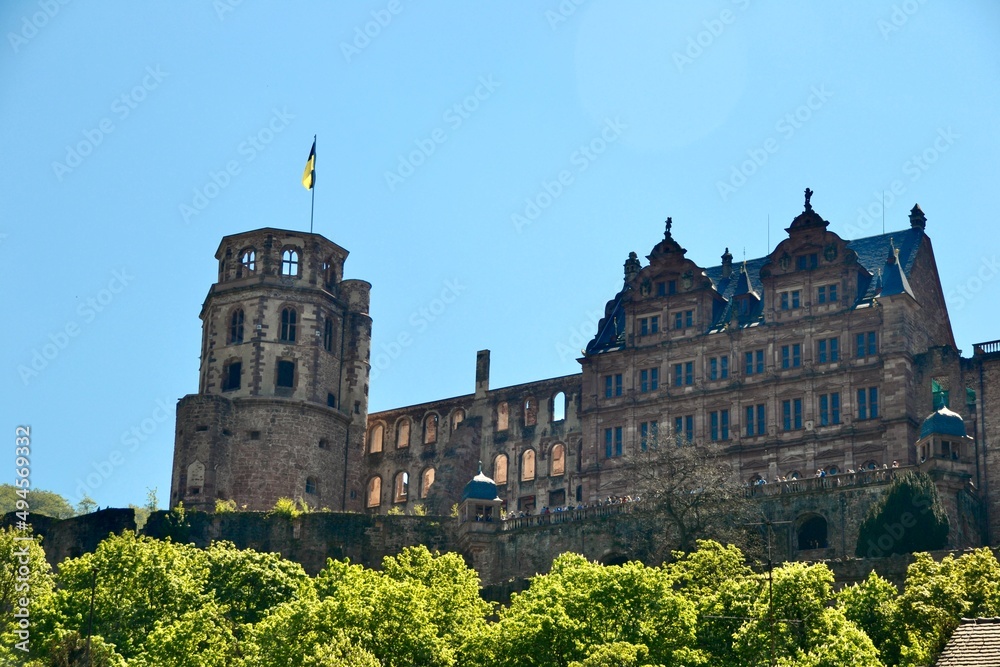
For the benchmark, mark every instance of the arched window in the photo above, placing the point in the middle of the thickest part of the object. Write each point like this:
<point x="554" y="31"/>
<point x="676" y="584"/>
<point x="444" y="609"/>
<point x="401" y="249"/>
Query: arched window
<point x="527" y="465"/>
<point x="375" y="439"/>
<point x="457" y="417"/>
<point x="559" y="407"/>
<point x="502" y="416"/>
<point x="813" y="533"/>
<point x="530" y="412"/>
<point x="426" y="482"/>
<point x="557" y="465"/>
<point x="403" y="433"/>
<point x="290" y="263"/>
<point x="793" y="475"/>
<point x="311" y="485"/>
<point x="328" y="335"/>
<point x="401" y="487"/>
<point x="289" y="319"/>
<point x="430" y="429"/>
<point x="500" y="469"/>
<point x="329" y="278"/>
<point x="236" y="327"/>
<point x="248" y="263"/>
<point x="374" y="492"/>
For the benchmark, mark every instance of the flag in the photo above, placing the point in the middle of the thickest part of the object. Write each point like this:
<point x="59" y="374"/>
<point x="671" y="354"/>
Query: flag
<point x="309" y="175"/>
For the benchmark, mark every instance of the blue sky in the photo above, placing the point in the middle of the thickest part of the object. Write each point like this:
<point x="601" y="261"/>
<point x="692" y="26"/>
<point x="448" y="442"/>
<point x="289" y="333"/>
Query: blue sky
<point x="501" y="157"/>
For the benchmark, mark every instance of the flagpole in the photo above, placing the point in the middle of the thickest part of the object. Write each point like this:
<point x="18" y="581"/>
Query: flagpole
<point x="312" y="209"/>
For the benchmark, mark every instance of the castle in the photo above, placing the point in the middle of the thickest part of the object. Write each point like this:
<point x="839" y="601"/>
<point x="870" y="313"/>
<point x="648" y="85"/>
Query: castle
<point x="827" y="355"/>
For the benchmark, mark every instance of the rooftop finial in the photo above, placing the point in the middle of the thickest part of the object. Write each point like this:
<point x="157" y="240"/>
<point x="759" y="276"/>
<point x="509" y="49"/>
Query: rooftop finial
<point x="891" y="259"/>
<point x="809" y="194"/>
<point x="670" y="223"/>
<point x="480" y="467"/>
<point x="917" y="218"/>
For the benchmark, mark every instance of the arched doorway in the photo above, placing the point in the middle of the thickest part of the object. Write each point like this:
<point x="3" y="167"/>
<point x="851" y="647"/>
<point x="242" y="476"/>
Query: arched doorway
<point x="813" y="533"/>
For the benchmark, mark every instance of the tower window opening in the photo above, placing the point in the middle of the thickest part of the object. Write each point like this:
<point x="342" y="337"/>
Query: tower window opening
<point x="248" y="263"/>
<point x="236" y="327"/>
<point x="286" y="374"/>
<point x="290" y="263"/>
<point x="289" y="320"/>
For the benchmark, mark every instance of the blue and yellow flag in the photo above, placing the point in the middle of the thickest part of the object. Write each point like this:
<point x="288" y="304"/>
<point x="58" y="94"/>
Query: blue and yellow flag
<point x="309" y="175"/>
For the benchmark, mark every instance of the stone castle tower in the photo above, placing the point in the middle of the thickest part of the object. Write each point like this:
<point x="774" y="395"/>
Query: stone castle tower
<point x="282" y="400"/>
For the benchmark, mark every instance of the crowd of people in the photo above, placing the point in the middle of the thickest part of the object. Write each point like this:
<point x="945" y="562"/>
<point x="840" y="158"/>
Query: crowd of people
<point x="821" y="472"/>
<point x="603" y="502"/>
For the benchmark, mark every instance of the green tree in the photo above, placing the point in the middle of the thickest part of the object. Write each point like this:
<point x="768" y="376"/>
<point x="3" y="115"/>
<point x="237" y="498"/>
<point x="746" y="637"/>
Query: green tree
<point x="873" y="606"/>
<point x="250" y="583"/>
<point x="25" y="576"/>
<point x="908" y="517"/>
<point x="197" y="638"/>
<point x="617" y="654"/>
<point x="39" y="502"/>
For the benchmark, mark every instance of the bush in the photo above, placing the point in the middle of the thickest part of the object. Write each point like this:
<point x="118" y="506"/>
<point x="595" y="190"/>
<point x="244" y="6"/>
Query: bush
<point x="224" y="506"/>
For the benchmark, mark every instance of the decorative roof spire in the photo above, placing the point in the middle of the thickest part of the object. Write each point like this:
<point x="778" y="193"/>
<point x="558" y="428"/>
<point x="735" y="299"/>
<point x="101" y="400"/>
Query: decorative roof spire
<point x="917" y="218"/>
<point x="893" y="252"/>
<point x="727" y="264"/>
<point x="670" y="223"/>
<point x="809" y="194"/>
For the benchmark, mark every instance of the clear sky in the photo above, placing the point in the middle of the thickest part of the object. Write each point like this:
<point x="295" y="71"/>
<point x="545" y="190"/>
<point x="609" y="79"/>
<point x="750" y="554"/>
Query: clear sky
<point x="489" y="166"/>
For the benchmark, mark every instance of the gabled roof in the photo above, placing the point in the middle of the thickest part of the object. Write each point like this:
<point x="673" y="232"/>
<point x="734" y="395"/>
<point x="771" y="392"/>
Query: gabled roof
<point x="975" y="643"/>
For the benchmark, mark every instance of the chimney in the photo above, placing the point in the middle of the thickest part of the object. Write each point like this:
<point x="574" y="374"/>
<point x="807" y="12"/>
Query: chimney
<point x="917" y="218"/>
<point x="482" y="373"/>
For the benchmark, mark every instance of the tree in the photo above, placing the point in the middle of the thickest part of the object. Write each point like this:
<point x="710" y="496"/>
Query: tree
<point x="873" y="606"/>
<point x="907" y="517"/>
<point x="250" y="583"/>
<point x="86" y="505"/>
<point x="39" y="502"/>
<point x="32" y="584"/>
<point x="197" y="638"/>
<point x="689" y="492"/>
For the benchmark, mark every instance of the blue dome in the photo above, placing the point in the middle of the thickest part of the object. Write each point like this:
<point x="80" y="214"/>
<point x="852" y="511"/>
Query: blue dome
<point x="480" y="488"/>
<point x="943" y="422"/>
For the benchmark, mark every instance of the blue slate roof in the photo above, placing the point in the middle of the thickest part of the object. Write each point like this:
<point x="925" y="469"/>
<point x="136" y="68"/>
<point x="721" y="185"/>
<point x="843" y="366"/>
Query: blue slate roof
<point x="943" y="422"/>
<point x="480" y="487"/>
<point x="879" y="278"/>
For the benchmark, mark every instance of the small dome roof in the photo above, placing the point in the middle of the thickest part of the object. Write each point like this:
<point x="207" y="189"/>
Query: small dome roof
<point x="943" y="422"/>
<point x="480" y="487"/>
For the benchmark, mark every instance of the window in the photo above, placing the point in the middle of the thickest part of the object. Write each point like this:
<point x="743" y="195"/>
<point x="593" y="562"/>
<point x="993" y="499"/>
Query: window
<point x="684" y="428"/>
<point x="288" y="321"/>
<point x="613" y="445"/>
<point x="311" y="487"/>
<point x="826" y="293"/>
<point x="426" y="482"/>
<point x="649" y="380"/>
<point x="718" y="367"/>
<point x="236" y="327"/>
<point x="828" y="350"/>
<point x="868" y="403"/>
<point x="789" y="300"/>
<point x="648" y="435"/>
<point x="791" y="414"/>
<point x="865" y="344"/>
<point x="375" y="439"/>
<point x="557" y="466"/>
<point x="248" y="263"/>
<point x="500" y="469"/>
<point x="374" y="492"/>
<point x="684" y="374"/>
<point x="290" y="263"/>
<point x="649" y="325"/>
<point x="457" y="417"/>
<point x="684" y="319"/>
<point x="791" y="356"/>
<point x="754" y="362"/>
<point x="402" y="434"/>
<point x="286" y="374"/>
<point x="559" y="407"/>
<point x="810" y="261"/>
<point x="612" y="385"/>
<point x="430" y="429"/>
<point x="661" y="288"/>
<point x="328" y="335"/>
<point x="756" y="414"/>
<point x="720" y="424"/>
<point x="813" y="534"/>
<point x="231" y="373"/>
<point x="331" y="400"/>
<point x="527" y="465"/>
<point x="401" y="487"/>
<point x="531" y="412"/>
<point x="829" y="409"/>
<point x="502" y="416"/>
